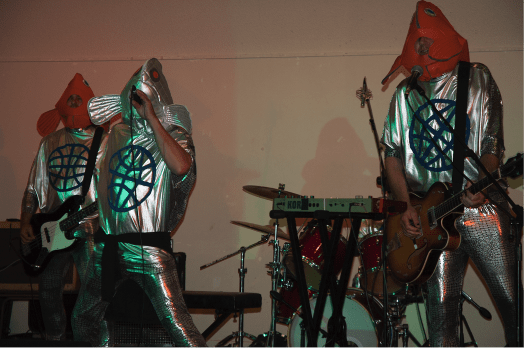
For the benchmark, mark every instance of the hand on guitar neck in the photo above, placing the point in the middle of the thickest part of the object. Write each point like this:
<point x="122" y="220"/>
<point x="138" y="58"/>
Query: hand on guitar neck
<point x="471" y="200"/>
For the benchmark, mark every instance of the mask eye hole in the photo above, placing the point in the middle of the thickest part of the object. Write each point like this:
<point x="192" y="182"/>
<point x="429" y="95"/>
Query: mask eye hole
<point x="85" y="83"/>
<point x="430" y="12"/>
<point x="154" y="75"/>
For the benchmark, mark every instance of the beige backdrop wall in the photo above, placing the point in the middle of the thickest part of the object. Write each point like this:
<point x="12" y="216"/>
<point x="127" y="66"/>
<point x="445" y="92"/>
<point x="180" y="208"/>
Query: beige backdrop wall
<point x="271" y="89"/>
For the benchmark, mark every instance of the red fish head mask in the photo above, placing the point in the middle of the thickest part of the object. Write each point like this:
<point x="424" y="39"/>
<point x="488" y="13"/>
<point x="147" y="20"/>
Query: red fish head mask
<point x="71" y="108"/>
<point x="431" y="43"/>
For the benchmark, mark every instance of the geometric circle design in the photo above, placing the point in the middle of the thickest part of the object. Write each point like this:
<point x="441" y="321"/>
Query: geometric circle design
<point x="67" y="165"/>
<point x="132" y="172"/>
<point x="423" y="149"/>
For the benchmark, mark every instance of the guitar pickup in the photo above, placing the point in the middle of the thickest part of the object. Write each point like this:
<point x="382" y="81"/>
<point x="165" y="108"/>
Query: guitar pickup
<point x="47" y="237"/>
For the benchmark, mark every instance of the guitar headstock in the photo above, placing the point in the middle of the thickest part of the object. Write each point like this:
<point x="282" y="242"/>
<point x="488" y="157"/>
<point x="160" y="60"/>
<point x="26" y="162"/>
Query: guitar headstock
<point x="513" y="167"/>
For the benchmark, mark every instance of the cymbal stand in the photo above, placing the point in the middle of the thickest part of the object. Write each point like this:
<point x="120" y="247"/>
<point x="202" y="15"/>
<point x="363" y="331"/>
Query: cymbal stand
<point x="399" y="330"/>
<point x="276" y="267"/>
<point x="239" y="335"/>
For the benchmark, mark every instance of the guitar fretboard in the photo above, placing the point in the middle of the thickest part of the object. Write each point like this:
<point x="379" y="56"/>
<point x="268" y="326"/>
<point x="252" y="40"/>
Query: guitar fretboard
<point x="454" y="202"/>
<point x="75" y="218"/>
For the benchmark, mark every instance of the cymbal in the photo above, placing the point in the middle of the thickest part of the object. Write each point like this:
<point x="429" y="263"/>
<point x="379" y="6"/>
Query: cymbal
<point x="269" y="192"/>
<point x="263" y="229"/>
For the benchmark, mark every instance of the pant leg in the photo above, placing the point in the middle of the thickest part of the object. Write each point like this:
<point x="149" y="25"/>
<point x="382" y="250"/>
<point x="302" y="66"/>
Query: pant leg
<point x="81" y="256"/>
<point x="50" y="293"/>
<point x="444" y="295"/>
<point x="492" y="248"/>
<point x="160" y="282"/>
<point x="88" y="315"/>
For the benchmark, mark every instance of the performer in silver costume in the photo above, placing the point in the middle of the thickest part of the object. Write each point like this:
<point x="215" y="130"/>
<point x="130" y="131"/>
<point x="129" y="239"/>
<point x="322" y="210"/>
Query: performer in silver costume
<point x="145" y="179"/>
<point x="57" y="174"/>
<point x="414" y="164"/>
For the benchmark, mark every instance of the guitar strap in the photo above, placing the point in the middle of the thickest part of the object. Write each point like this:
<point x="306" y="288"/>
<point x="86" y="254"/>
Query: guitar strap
<point x="93" y="151"/>
<point x="461" y="115"/>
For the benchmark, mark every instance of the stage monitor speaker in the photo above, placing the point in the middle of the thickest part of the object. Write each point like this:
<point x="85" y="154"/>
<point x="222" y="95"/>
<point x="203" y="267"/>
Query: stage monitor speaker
<point x="131" y="317"/>
<point x="13" y="276"/>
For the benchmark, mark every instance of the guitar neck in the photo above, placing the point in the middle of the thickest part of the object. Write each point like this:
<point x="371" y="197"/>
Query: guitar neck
<point x="75" y="218"/>
<point x="454" y="202"/>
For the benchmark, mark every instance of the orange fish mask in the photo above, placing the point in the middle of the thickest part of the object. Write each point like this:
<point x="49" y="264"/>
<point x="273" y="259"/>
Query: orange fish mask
<point x="447" y="49"/>
<point x="71" y="116"/>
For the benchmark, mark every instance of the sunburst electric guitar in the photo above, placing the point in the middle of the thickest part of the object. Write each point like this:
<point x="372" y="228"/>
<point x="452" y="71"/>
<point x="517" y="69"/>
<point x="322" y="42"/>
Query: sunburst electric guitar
<point x="53" y="232"/>
<point x="414" y="260"/>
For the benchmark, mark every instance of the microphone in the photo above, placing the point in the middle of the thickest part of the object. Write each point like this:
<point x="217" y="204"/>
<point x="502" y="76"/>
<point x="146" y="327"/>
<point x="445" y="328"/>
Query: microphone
<point x="363" y="95"/>
<point x="416" y="72"/>
<point x="483" y="311"/>
<point x="134" y="95"/>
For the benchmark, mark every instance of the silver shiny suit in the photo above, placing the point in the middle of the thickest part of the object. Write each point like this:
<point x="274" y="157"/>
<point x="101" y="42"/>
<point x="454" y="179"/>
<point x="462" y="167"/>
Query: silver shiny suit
<point x="487" y="237"/>
<point x="57" y="174"/>
<point x="139" y="195"/>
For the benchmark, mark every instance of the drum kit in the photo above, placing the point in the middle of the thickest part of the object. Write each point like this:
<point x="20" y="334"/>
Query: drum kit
<point x="363" y="308"/>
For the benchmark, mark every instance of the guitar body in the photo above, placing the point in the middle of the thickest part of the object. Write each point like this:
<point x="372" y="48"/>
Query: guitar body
<point x="49" y="237"/>
<point x="414" y="261"/>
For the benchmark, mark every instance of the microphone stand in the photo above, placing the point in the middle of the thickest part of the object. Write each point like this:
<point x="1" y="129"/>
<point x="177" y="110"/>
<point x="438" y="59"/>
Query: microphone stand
<point x="242" y="274"/>
<point x="365" y="95"/>
<point x="517" y="209"/>
<point x="483" y="312"/>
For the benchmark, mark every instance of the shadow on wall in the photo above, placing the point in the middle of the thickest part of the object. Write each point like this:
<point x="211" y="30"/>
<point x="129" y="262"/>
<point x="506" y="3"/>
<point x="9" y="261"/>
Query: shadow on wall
<point x="341" y="167"/>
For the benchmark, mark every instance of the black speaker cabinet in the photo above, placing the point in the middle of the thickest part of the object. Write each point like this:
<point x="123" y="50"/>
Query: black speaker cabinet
<point x="14" y="278"/>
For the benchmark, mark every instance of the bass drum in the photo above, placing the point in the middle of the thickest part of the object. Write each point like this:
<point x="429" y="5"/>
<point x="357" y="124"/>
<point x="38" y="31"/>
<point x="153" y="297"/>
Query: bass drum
<point x="364" y="321"/>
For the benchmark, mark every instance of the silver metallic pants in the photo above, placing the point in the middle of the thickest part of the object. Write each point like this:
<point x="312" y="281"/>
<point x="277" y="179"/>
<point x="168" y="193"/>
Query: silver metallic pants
<point x="488" y="240"/>
<point x="160" y="282"/>
<point x="51" y="286"/>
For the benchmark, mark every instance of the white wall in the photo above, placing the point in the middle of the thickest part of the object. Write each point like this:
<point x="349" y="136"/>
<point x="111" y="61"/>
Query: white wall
<point x="271" y="88"/>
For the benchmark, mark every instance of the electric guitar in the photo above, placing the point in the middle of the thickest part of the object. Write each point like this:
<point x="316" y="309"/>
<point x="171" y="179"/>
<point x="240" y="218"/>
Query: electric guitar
<point x="414" y="260"/>
<point x="53" y="232"/>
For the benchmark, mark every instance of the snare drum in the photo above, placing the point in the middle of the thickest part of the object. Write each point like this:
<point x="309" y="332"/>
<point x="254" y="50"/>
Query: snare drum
<point x="363" y="315"/>
<point x="370" y="248"/>
<point x="313" y="256"/>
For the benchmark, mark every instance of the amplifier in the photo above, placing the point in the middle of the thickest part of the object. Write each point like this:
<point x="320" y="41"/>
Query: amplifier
<point x="13" y="276"/>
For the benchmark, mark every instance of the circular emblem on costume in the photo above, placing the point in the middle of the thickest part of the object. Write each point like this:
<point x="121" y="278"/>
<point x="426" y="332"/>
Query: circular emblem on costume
<point x="430" y="12"/>
<point x="424" y="150"/>
<point x="132" y="172"/>
<point x="66" y="165"/>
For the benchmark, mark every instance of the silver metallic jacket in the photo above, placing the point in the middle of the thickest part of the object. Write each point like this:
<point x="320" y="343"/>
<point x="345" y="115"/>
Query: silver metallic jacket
<point x="137" y="192"/>
<point x="57" y="173"/>
<point x="404" y="137"/>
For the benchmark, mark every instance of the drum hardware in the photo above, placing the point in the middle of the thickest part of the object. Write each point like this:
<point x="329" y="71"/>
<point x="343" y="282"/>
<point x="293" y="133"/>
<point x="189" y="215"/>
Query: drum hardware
<point x="278" y="273"/>
<point x="275" y="276"/>
<point x="399" y="307"/>
<point x="239" y="335"/>
<point x="263" y="229"/>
